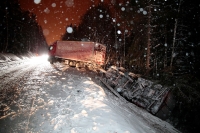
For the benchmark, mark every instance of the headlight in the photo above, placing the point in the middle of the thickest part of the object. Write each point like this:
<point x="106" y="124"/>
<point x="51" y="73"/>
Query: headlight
<point x="51" y="47"/>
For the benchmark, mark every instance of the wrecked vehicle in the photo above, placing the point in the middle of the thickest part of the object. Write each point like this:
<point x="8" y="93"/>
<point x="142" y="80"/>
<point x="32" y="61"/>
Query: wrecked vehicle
<point x="135" y="89"/>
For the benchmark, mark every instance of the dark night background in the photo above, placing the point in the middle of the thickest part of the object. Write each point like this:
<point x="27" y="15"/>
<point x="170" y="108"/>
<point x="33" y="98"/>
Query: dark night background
<point x="159" y="39"/>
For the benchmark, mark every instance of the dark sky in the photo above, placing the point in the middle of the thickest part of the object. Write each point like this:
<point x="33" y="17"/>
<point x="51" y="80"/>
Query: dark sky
<point x="55" y="15"/>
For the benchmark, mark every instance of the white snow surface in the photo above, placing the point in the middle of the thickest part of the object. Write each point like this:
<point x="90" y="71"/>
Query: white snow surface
<point x="60" y="99"/>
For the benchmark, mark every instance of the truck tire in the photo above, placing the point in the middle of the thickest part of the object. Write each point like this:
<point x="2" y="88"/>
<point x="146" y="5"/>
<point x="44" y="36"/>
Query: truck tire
<point x="78" y="65"/>
<point x="51" y="60"/>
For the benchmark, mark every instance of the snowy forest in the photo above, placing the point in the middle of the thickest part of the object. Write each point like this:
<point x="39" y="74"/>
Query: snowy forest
<point x="19" y="30"/>
<point x="159" y="39"/>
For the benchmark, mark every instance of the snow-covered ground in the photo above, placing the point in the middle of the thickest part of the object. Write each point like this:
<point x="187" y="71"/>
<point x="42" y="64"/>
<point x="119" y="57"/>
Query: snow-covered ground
<point x="39" y="97"/>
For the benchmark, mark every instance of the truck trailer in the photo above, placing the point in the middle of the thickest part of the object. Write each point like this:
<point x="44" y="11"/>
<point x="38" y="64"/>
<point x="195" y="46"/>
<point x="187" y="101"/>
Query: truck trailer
<point x="78" y="53"/>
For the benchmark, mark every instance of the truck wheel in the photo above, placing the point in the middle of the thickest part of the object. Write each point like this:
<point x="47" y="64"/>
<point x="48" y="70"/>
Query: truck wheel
<point x="78" y="65"/>
<point x="71" y="63"/>
<point x="51" y="60"/>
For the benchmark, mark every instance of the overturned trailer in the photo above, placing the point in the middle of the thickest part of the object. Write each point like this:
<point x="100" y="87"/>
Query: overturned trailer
<point x="132" y="87"/>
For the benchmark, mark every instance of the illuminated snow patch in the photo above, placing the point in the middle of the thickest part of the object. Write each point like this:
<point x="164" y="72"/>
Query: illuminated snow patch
<point x="37" y="1"/>
<point x="69" y="29"/>
<point x="51" y="102"/>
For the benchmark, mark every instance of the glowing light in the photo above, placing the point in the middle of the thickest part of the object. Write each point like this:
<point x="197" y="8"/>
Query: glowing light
<point x="39" y="59"/>
<point x="44" y="57"/>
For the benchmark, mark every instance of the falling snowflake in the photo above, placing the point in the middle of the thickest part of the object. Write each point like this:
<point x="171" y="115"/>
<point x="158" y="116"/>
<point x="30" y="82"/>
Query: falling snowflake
<point x="46" y="32"/>
<point x="123" y="8"/>
<point x="45" y="21"/>
<point x="113" y="2"/>
<point x="118" y="32"/>
<point x="66" y="19"/>
<point x="37" y="1"/>
<point x="131" y="22"/>
<point x="53" y="4"/>
<point x="69" y="29"/>
<point x="145" y="12"/>
<point x="69" y="3"/>
<point x="46" y="10"/>
<point x="101" y="16"/>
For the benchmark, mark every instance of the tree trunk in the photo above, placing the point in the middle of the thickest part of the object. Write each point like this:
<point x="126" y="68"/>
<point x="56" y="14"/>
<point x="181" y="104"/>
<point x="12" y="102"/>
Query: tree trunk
<point x="148" y="39"/>
<point x="174" y="37"/>
<point x="5" y="49"/>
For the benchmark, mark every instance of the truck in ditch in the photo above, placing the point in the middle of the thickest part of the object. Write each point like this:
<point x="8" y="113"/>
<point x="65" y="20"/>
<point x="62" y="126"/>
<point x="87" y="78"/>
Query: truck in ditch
<point x="78" y="53"/>
<point x="122" y="83"/>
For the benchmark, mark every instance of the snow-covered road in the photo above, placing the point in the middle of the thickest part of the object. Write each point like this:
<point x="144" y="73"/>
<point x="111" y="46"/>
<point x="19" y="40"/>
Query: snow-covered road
<point x="38" y="97"/>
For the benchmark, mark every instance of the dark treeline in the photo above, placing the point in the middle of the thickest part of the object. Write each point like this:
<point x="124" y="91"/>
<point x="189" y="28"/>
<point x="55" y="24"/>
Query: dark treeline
<point x="19" y="31"/>
<point x="155" y="36"/>
<point x="159" y="39"/>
